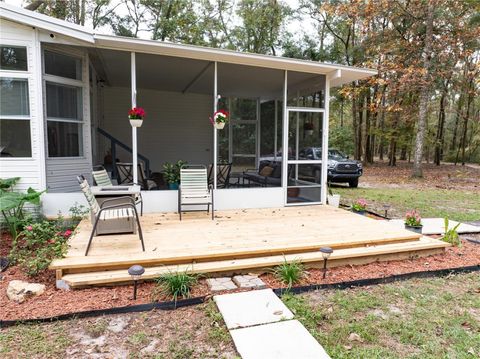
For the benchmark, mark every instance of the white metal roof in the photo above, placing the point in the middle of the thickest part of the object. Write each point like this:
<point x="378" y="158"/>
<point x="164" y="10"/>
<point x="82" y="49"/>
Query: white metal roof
<point x="339" y="74"/>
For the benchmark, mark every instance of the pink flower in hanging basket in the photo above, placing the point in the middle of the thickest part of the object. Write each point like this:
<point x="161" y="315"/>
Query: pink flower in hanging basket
<point x="221" y="116"/>
<point x="136" y="113"/>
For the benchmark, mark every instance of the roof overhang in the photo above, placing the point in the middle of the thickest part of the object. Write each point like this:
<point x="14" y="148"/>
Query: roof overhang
<point x="44" y="22"/>
<point x="338" y="74"/>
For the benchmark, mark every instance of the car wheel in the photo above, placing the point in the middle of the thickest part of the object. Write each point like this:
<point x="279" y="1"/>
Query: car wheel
<point x="353" y="183"/>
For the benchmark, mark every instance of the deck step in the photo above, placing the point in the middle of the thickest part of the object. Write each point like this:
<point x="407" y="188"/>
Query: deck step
<point x="356" y="255"/>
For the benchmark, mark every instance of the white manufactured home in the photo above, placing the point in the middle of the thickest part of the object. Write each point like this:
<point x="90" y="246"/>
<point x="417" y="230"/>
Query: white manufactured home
<point x="66" y="92"/>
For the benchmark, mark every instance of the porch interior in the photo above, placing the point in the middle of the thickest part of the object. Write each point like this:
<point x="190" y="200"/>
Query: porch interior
<point x="237" y="241"/>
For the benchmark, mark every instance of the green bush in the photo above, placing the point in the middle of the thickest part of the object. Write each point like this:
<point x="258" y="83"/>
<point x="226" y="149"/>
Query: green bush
<point x="340" y="138"/>
<point x="38" y="244"/>
<point x="289" y="272"/>
<point x="451" y="235"/>
<point x="176" y="284"/>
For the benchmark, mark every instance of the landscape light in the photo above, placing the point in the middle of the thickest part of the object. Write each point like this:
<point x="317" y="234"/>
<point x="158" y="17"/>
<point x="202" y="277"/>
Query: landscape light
<point x="326" y="252"/>
<point x="135" y="272"/>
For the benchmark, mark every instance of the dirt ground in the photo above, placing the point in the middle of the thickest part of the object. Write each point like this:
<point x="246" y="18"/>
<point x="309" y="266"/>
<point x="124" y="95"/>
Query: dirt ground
<point x="445" y="176"/>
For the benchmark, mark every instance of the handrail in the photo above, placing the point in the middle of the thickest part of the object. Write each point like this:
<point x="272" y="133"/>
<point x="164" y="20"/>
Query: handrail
<point x="113" y="143"/>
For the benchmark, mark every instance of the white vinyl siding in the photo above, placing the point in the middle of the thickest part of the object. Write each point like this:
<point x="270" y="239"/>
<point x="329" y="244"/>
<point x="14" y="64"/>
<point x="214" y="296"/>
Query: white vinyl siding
<point x="176" y="126"/>
<point x="29" y="169"/>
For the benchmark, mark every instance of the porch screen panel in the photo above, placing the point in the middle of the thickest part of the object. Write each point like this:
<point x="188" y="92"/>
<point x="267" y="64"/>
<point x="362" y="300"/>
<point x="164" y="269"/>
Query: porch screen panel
<point x="15" y="137"/>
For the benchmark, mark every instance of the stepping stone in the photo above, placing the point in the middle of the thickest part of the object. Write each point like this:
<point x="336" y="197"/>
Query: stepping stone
<point x="437" y="226"/>
<point x="251" y="308"/>
<point x="249" y="281"/>
<point x="220" y="284"/>
<point x="283" y="340"/>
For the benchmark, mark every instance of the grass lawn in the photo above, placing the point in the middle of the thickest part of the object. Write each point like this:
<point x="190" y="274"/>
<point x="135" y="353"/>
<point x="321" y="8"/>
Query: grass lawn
<point x="419" y="318"/>
<point x="460" y="205"/>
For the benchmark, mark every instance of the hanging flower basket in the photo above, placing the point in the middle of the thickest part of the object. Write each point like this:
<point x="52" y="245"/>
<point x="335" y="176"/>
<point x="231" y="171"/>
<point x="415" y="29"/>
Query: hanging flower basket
<point x="136" y="115"/>
<point x="308" y="128"/>
<point x="219" y="119"/>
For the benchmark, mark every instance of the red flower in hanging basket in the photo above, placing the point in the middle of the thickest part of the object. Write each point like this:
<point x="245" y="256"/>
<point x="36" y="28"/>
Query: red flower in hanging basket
<point x="308" y="126"/>
<point x="221" y="116"/>
<point x="136" y="113"/>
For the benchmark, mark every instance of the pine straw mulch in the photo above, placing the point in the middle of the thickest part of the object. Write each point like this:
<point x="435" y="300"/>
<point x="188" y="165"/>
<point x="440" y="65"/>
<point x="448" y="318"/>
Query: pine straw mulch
<point x="445" y="176"/>
<point x="56" y="302"/>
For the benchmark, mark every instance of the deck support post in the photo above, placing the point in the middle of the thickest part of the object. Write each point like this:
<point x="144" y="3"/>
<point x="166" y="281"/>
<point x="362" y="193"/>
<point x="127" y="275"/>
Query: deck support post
<point x="215" y="144"/>
<point x="134" y="129"/>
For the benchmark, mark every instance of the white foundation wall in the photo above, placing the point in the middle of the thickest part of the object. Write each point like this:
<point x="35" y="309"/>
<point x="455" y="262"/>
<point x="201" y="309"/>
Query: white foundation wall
<point x="167" y="201"/>
<point x="30" y="170"/>
<point x="176" y="126"/>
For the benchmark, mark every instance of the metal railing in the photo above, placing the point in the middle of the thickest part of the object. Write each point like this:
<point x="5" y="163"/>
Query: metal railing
<point x="114" y="142"/>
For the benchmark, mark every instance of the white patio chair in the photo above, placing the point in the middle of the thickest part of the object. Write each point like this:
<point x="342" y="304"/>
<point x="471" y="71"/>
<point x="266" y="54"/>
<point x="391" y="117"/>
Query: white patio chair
<point x="114" y="218"/>
<point x="101" y="178"/>
<point x="194" y="189"/>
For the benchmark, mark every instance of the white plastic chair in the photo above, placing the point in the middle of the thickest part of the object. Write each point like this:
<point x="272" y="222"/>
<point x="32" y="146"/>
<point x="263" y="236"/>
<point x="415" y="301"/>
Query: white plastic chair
<point x="194" y="189"/>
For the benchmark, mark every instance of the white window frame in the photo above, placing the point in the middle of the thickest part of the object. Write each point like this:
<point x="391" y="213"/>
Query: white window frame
<point x="20" y="75"/>
<point x="58" y="80"/>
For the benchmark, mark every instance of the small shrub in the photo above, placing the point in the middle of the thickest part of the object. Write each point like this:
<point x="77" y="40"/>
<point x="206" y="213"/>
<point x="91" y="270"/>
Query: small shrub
<point x="451" y="235"/>
<point x="38" y="244"/>
<point x="289" y="272"/>
<point x="176" y="284"/>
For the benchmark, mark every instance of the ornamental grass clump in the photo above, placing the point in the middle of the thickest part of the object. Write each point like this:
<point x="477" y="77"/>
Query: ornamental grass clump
<point x="289" y="272"/>
<point x="360" y="205"/>
<point x="451" y="235"/>
<point x="175" y="284"/>
<point x="413" y="219"/>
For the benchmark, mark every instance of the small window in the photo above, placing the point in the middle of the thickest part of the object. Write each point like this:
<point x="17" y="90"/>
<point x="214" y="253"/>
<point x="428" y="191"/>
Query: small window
<point x="64" y="139"/>
<point x="15" y="138"/>
<point x="13" y="58"/>
<point x="64" y="101"/>
<point x="62" y="65"/>
<point x="14" y="97"/>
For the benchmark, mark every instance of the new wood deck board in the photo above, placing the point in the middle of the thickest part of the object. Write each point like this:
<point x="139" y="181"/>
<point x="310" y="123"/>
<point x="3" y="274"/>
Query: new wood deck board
<point x="232" y="234"/>
<point x="338" y="257"/>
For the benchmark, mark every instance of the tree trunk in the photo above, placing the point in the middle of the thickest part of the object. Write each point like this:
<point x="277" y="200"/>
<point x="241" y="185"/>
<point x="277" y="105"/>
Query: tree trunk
<point x="423" y="105"/>
<point x="465" y="119"/>
<point x="368" y="138"/>
<point x="439" y="139"/>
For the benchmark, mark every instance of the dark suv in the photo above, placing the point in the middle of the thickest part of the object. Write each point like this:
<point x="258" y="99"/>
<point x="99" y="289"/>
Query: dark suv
<point x="340" y="168"/>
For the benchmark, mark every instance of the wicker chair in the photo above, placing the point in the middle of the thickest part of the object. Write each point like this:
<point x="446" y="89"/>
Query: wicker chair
<point x="111" y="218"/>
<point x="101" y="178"/>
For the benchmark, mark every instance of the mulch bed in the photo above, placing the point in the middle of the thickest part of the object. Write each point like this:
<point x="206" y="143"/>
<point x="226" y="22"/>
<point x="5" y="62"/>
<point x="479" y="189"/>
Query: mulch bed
<point x="56" y="302"/>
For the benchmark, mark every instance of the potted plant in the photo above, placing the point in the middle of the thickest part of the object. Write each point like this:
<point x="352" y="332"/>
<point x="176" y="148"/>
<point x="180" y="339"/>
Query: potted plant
<point x="220" y="118"/>
<point x="359" y="206"/>
<point x="333" y="199"/>
<point x="413" y="221"/>
<point x="308" y="128"/>
<point x="171" y="173"/>
<point x="136" y="115"/>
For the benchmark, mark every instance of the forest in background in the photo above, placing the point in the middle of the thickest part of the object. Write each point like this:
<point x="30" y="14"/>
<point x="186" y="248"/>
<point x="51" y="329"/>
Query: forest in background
<point x="423" y="106"/>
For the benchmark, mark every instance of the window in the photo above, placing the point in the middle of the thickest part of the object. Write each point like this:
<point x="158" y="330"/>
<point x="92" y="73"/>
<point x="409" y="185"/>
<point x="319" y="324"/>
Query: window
<point x="62" y="65"/>
<point x="15" y="140"/>
<point x="13" y="58"/>
<point x="64" y="105"/>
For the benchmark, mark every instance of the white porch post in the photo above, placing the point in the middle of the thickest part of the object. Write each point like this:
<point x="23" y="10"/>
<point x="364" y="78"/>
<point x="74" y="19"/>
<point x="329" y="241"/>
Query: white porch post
<point x="134" y="129"/>
<point x="215" y="106"/>
<point x="285" y="140"/>
<point x="325" y="140"/>
<point x="275" y="131"/>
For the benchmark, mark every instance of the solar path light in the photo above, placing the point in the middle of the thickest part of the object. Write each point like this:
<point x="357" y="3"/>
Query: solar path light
<point x="136" y="272"/>
<point x="326" y="252"/>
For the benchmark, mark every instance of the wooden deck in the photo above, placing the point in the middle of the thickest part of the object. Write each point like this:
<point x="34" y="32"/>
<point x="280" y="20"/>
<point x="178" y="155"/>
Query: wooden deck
<point x="236" y="240"/>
